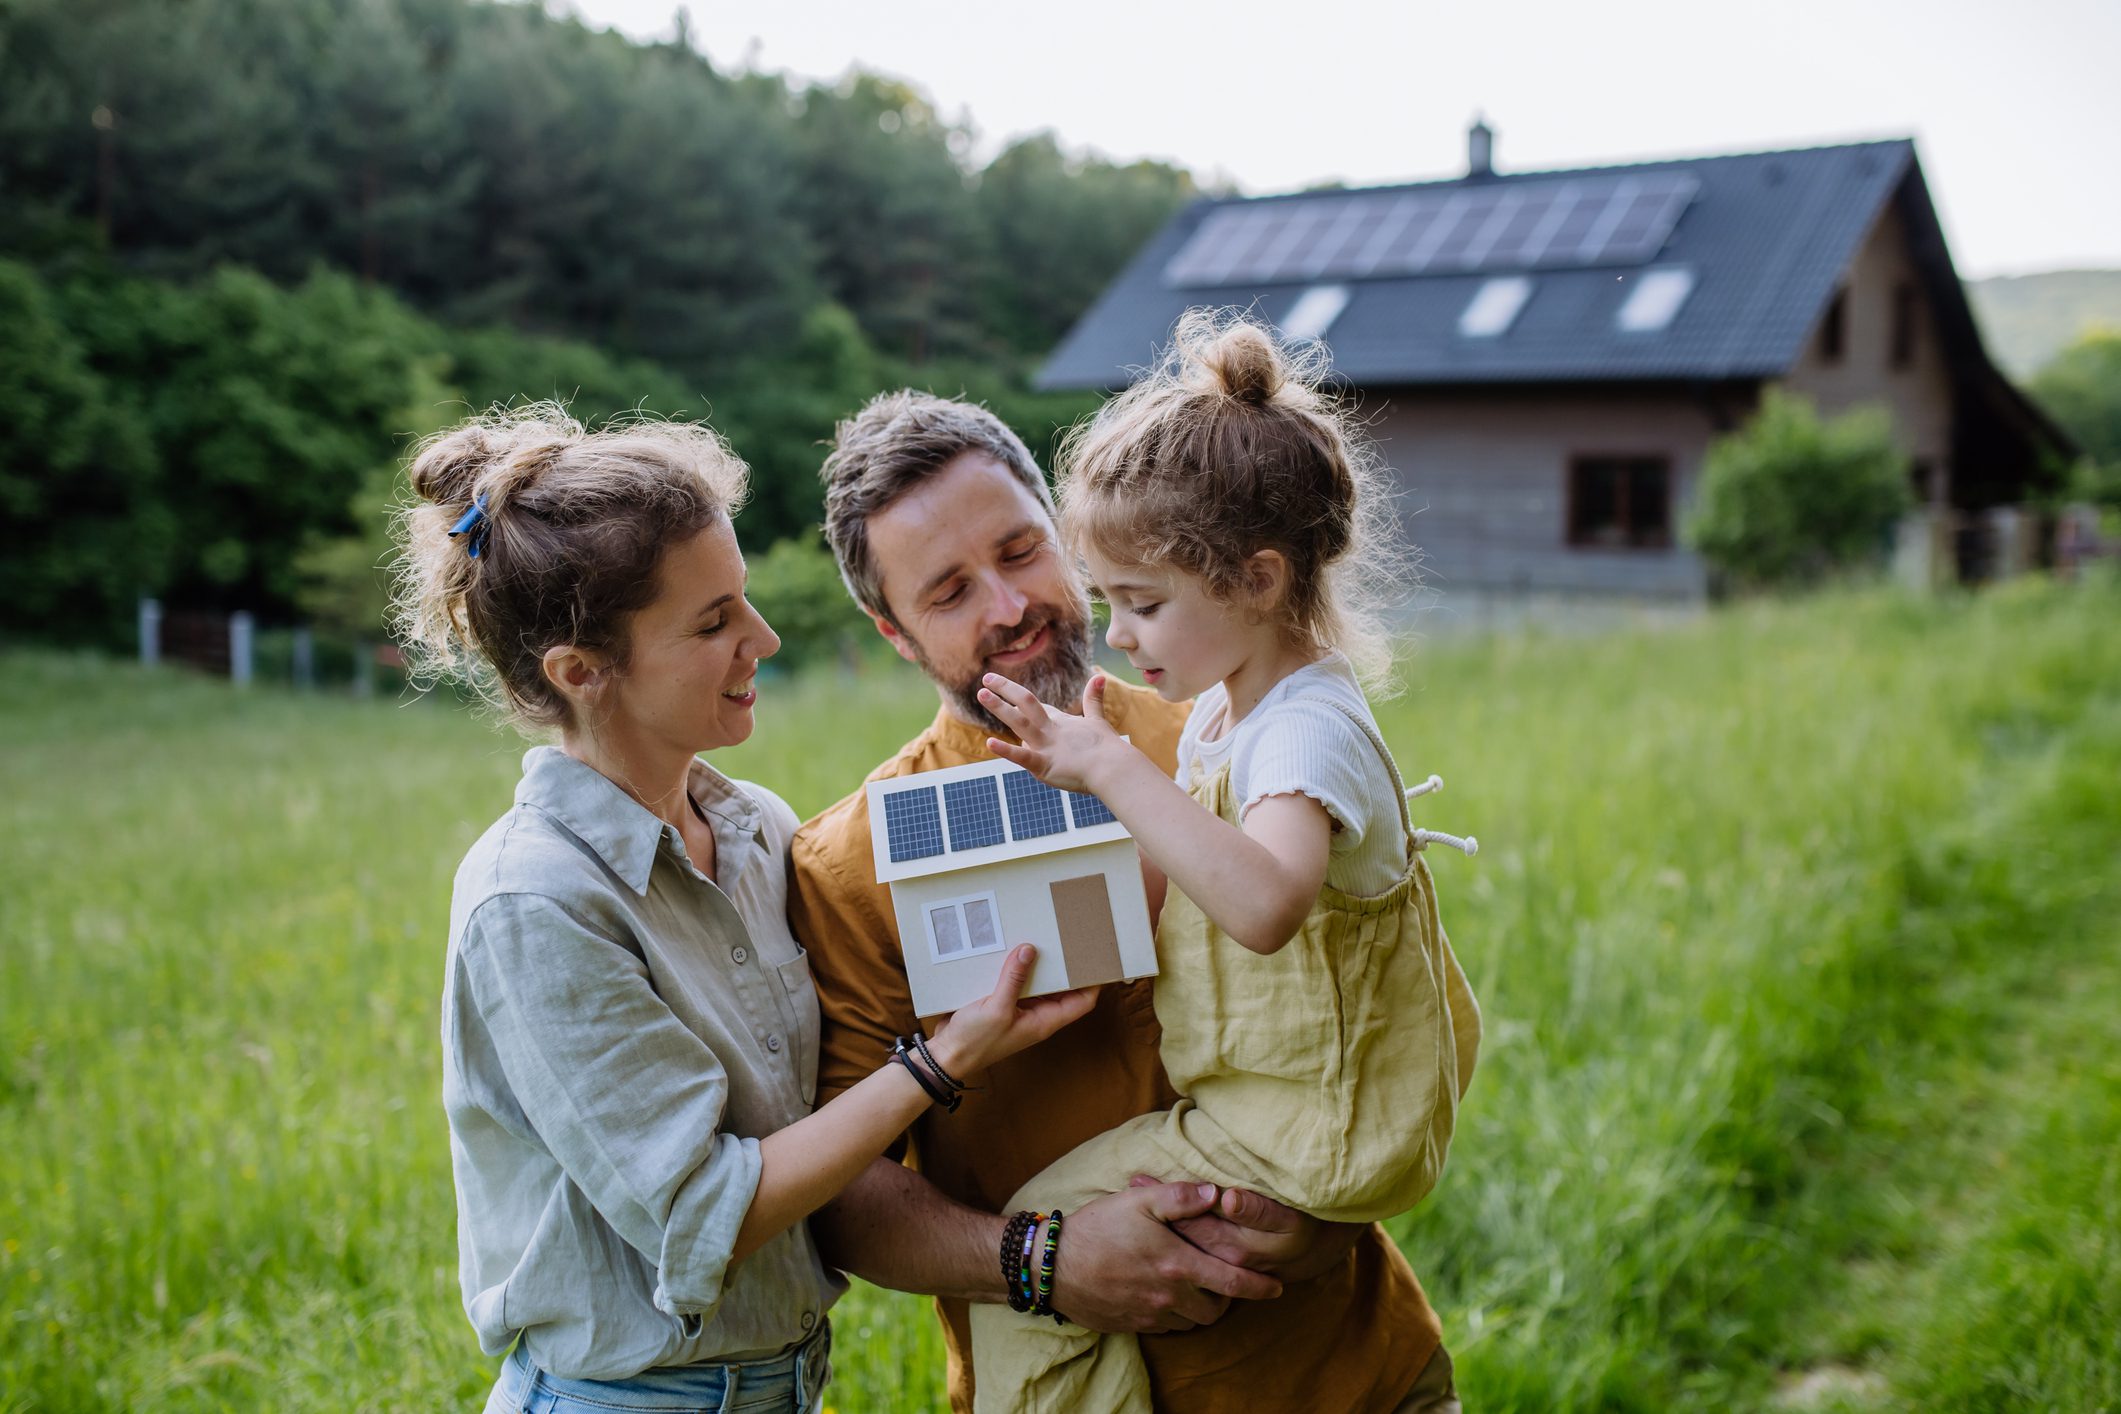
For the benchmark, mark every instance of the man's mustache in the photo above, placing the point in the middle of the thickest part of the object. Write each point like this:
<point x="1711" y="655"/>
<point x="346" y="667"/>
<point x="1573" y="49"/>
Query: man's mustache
<point x="1031" y="623"/>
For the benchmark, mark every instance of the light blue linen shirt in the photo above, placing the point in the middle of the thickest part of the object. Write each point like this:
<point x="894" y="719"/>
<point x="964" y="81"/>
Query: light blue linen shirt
<point x="618" y="1031"/>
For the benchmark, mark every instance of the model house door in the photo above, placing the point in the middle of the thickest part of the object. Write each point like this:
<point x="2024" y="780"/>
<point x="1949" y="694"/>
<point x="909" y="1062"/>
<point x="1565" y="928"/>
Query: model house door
<point x="1089" y="944"/>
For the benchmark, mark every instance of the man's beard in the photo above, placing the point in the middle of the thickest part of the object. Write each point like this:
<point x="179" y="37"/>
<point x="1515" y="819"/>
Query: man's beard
<point x="1057" y="675"/>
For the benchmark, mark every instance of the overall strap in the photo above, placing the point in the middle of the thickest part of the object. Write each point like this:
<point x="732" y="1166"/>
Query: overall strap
<point x="1362" y="724"/>
<point x="1416" y="839"/>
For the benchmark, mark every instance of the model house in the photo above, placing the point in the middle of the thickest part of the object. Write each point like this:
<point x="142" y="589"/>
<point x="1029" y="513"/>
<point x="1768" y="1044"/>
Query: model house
<point x="983" y="857"/>
<point x="1545" y="357"/>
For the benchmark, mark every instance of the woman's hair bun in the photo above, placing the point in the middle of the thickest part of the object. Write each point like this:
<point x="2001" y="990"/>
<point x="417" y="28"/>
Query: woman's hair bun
<point x="1244" y="361"/>
<point x="448" y="465"/>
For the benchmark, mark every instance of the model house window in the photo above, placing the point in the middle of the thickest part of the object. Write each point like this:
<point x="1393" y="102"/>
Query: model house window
<point x="1834" y="329"/>
<point x="961" y="927"/>
<point x="1620" y="503"/>
<point x="1905" y="307"/>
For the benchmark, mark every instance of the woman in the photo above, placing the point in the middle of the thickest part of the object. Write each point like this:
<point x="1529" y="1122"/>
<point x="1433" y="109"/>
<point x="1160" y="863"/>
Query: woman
<point x="628" y="1029"/>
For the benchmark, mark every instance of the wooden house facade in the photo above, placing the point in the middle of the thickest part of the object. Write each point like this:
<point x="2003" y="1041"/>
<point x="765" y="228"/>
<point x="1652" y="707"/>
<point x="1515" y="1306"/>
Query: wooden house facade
<point x="1544" y="358"/>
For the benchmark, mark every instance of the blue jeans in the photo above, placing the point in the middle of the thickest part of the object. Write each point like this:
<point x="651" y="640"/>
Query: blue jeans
<point x="787" y="1384"/>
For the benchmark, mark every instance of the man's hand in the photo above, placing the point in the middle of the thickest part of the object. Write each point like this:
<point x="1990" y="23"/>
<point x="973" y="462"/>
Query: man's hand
<point x="1261" y="1235"/>
<point x="1122" y="1268"/>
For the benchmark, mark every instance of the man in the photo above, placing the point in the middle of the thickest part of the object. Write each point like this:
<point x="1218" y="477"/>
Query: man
<point x="943" y="528"/>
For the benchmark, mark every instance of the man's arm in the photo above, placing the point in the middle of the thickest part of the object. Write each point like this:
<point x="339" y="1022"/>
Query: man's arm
<point x="1123" y="1269"/>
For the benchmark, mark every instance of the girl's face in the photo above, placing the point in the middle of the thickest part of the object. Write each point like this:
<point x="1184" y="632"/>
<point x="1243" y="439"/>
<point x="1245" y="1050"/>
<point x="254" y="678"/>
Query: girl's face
<point x="693" y="653"/>
<point x="1178" y="638"/>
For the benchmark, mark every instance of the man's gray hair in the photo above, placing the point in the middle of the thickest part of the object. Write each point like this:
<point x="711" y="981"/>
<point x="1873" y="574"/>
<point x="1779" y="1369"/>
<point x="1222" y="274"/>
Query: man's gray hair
<point x="896" y="442"/>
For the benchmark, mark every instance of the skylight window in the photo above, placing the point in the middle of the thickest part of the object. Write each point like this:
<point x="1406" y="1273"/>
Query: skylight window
<point x="1314" y="312"/>
<point x="1655" y="300"/>
<point x="1493" y="308"/>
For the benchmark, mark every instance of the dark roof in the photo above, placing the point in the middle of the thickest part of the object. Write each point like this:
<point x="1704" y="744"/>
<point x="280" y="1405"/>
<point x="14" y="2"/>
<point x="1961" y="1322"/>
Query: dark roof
<point x="1767" y="237"/>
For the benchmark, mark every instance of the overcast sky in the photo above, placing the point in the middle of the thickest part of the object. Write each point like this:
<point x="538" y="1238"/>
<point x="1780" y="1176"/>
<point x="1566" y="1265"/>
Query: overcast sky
<point x="2015" y="104"/>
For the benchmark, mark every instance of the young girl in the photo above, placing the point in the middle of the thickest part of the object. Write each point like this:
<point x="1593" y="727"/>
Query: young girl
<point x="1314" y="1019"/>
<point x="629" y="1031"/>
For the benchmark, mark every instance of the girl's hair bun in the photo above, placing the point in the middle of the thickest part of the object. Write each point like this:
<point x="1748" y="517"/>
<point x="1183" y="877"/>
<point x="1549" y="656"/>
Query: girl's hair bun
<point x="1243" y="361"/>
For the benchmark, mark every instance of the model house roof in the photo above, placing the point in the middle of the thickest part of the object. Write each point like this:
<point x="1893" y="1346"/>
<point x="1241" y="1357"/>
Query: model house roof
<point x="1693" y="268"/>
<point x="986" y="813"/>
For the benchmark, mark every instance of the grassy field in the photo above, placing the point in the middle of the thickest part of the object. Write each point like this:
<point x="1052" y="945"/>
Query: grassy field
<point x="1798" y="931"/>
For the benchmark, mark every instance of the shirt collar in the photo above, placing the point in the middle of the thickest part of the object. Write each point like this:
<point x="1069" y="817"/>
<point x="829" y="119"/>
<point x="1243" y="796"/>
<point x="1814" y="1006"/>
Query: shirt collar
<point x="624" y="833"/>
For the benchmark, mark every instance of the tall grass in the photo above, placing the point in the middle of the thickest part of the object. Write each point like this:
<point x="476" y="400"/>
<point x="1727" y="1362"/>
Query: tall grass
<point x="1738" y="882"/>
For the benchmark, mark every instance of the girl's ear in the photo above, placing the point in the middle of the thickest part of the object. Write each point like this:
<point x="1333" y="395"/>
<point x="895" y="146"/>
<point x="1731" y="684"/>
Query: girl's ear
<point x="1267" y="574"/>
<point x="579" y="674"/>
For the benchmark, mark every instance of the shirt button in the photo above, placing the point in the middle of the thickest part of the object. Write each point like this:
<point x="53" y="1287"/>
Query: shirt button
<point x="809" y="1319"/>
<point x="740" y="956"/>
<point x="773" y="1043"/>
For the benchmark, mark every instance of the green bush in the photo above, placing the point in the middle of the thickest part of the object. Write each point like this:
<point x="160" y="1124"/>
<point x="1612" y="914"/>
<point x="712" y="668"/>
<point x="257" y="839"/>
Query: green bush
<point x="2082" y="388"/>
<point x="796" y="586"/>
<point x="1789" y="498"/>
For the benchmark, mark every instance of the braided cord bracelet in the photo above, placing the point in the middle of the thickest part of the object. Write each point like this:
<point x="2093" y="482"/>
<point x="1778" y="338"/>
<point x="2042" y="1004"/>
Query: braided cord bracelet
<point x="936" y="1091"/>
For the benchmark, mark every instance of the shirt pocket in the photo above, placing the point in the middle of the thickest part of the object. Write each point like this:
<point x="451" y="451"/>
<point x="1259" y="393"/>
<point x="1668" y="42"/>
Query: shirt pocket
<point x="802" y="1005"/>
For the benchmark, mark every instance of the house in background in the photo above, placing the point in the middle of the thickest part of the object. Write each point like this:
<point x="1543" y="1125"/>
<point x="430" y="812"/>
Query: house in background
<point x="983" y="857"/>
<point x="1545" y="357"/>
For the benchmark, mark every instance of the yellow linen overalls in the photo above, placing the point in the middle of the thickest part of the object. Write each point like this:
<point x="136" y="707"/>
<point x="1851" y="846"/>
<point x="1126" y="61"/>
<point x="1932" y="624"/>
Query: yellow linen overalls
<point x="1326" y="1075"/>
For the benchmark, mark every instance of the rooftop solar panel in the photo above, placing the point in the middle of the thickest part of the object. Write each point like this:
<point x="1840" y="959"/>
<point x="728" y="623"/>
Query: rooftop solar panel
<point x="975" y="810"/>
<point x="1035" y="808"/>
<point x="1089" y="810"/>
<point x="1609" y="219"/>
<point x="913" y="825"/>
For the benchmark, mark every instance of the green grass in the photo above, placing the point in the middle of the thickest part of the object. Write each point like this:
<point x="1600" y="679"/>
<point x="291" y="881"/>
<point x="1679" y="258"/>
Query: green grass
<point x="1796" y="930"/>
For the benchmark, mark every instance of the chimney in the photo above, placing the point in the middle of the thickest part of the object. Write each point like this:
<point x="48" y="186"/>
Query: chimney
<point x="1480" y="148"/>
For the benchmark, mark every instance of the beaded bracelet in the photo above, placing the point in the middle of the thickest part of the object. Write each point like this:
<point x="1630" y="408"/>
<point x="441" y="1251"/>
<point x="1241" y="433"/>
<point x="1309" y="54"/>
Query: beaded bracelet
<point x="903" y="1054"/>
<point x="1044" y="1305"/>
<point x="1016" y="1248"/>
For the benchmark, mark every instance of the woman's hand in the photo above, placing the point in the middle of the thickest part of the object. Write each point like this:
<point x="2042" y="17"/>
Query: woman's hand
<point x="1059" y="749"/>
<point x="1002" y="1023"/>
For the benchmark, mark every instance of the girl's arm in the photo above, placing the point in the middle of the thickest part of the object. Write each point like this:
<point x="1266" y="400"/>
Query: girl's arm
<point x="1257" y="883"/>
<point x="803" y="1167"/>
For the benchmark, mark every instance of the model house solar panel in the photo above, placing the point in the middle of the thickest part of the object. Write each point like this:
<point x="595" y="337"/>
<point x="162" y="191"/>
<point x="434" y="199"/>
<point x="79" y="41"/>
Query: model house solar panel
<point x="1035" y="808"/>
<point x="1607" y="220"/>
<point x="913" y="824"/>
<point x="1089" y="810"/>
<point x="975" y="811"/>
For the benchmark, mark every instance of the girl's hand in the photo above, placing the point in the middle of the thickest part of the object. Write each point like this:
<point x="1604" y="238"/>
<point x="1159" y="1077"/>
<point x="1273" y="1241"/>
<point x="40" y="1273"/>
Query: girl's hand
<point x="1001" y="1023"/>
<point x="1060" y="750"/>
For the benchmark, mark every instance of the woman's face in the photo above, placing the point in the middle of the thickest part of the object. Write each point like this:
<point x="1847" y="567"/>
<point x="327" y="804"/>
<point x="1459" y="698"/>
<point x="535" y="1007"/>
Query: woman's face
<point x="694" y="651"/>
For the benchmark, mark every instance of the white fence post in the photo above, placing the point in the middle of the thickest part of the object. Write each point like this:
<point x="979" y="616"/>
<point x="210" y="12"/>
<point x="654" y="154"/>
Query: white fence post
<point x="242" y="629"/>
<point x="305" y="655"/>
<point x="150" y="632"/>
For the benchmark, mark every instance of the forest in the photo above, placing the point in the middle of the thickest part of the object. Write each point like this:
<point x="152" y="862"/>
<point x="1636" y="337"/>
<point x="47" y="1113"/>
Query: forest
<point x="249" y="249"/>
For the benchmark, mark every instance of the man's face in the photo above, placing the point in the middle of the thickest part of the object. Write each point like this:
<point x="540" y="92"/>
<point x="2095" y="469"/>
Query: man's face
<point x="977" y="582"/>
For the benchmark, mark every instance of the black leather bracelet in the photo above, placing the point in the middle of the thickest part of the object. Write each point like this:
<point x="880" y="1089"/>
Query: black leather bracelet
<point x="903" y="1054"/>
<point x="920" y="1043"/>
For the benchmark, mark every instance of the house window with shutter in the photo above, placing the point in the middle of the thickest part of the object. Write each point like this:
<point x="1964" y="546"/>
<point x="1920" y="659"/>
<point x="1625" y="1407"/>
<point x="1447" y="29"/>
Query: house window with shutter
<point x="1620" y="502"/>
<point x="1906" y="305"/>
<point x="1834" y="329"/>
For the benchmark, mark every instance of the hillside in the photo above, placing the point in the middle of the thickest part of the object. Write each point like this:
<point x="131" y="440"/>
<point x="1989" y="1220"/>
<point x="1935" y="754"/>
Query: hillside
<point x="2028" y="319"/>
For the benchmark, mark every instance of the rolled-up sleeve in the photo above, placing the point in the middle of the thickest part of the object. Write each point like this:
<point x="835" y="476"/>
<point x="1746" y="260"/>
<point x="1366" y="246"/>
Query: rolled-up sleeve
<point x="626" y="1097"/>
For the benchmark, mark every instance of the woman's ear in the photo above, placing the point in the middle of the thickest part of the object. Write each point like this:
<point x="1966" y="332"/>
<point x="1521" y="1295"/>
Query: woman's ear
<point x="578" y="674"/>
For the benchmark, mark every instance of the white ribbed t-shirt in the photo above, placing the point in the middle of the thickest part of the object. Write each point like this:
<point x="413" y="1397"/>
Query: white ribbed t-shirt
<point x="1297" y="741"/>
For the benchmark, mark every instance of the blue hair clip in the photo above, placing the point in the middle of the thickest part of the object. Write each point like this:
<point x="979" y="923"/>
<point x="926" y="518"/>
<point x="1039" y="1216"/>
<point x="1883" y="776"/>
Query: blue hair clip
<point x="473" y="522"/>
